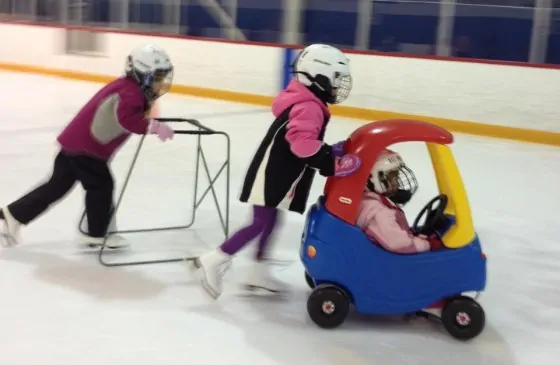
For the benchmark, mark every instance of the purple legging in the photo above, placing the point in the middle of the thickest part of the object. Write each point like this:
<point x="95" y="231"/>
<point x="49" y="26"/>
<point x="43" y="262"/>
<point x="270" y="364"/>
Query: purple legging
<point x="264" y="221"/>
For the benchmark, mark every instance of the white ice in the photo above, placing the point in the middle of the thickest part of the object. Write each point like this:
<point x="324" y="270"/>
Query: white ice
<point x="59" y="306"/>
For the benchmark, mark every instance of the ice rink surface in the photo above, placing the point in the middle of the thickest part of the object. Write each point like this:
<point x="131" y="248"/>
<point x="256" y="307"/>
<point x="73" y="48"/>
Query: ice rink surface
<point x="59" y="306"/>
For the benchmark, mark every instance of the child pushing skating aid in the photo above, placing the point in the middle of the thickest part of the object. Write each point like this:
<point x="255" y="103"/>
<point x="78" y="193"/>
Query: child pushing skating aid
<point x="91" y="139"/>
<point x="282" y="169"/>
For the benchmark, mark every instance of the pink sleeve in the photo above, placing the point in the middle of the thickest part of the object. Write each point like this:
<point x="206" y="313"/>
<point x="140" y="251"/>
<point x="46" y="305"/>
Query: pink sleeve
<point x="131" y="114"/>
<point x="305" y="123"/>
<point x="384" y="229"/>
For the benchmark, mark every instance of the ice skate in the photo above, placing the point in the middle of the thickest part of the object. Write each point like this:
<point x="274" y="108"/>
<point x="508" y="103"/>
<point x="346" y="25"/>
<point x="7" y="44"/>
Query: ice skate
<point x="84" y="227"/>
<point x="259" y="277"/>
<point x="113" y="242"/>
<point x="10" y="231"/>
<point x="210" y="269"/>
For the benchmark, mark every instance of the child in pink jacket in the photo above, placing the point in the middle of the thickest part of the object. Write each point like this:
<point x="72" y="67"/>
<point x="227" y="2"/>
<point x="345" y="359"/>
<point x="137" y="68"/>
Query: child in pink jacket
<point x="281" y="172"/>
<point x="391" y="184"/>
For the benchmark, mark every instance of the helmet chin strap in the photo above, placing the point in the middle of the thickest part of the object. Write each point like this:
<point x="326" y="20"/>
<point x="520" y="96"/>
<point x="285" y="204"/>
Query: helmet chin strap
<point x="400" y="197"/>
<point x="308" y="76"/>
<point x="370" y="186"/>
<point x="316" y="88"/>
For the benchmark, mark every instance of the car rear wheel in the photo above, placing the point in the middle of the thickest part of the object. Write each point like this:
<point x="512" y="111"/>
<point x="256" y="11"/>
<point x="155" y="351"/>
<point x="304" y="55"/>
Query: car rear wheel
<point x="463" y="318"/>
<point x="328" y="306"/>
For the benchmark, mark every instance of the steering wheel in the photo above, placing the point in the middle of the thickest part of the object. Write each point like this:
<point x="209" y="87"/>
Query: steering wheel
<point x="434" y="216"/>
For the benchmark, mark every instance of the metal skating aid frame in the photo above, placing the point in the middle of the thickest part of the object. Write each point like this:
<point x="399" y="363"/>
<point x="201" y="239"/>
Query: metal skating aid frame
<point x="200" y="160"/>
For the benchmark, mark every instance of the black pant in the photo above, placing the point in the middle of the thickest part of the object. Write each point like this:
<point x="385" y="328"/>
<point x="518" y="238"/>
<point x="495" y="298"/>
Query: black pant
<point x="91" y="172"/>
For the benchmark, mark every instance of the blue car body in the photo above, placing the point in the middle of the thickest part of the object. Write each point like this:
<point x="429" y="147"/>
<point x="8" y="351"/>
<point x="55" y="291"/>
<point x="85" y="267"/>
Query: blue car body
<point x="382" y="282"/>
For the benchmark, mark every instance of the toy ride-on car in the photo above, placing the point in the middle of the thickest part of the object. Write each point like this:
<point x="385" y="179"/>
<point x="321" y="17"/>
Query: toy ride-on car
<point x="345" y="268"/>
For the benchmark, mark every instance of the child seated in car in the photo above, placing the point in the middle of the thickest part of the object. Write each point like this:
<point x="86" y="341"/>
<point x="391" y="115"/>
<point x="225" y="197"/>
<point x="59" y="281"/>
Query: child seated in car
<point x="391" y="184"/>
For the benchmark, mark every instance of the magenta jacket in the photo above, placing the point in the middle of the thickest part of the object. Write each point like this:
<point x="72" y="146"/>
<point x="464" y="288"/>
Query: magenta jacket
<point x="107" y="120"/>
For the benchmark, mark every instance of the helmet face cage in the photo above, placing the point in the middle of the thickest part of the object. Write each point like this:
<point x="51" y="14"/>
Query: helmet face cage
<point x="405" y="179"/>
<point x="161" y="82"/>
<point x="343" y="88"/>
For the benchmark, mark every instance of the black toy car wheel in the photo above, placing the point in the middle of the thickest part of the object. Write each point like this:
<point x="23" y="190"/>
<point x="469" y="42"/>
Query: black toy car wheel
<point x="309" y="280"/>
<point x="463" y="318"/>
<point x="328" y="306"/>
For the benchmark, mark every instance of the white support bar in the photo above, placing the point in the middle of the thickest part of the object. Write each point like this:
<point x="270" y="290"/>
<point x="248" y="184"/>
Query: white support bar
<point x="231" y="6"/>
<point x="172" y="16"/>
<point x="124" y="12"/>
<point x="118" y="13"/>
<point x="363" y="24"/>
<point x="291" y="21"/>
<point x="186" y="3"/>
<point x="63" y="11"/>
<point x="33" y="9"/>
<point x="444" y="40"/>
<point x="541" y="29"/>
<point x="223" y="18"/>
<point x="76" y="12"/>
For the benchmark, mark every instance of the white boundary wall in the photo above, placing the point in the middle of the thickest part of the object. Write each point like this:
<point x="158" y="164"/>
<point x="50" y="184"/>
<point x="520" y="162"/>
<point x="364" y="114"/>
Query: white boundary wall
<point x="493" y="94"/>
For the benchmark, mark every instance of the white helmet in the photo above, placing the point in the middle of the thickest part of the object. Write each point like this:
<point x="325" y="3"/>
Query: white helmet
<point x="387" y="162"/>
<point x="325" y="68"/>
<point x="151" y="67"/>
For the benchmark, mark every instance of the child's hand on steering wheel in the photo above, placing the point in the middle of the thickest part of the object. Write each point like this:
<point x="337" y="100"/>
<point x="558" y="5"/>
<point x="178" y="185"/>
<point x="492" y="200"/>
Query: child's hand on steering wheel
<point x="434" y="240"/>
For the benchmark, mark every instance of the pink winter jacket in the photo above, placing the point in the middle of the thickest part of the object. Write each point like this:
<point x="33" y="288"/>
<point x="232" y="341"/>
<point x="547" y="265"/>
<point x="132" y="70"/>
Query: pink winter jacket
<point x="306" y="119"/>
<point x="386" y="224"/>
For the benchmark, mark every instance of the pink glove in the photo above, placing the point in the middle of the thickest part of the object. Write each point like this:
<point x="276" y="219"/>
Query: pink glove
<point x="346" y="165"/>
<point x="163" y="131"/>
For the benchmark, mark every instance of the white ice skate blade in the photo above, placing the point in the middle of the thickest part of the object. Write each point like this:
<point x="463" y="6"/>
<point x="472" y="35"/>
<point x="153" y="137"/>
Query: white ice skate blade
<point x="95" y="248"/>
<point x="114" y="242"/>
<point x="8" y="240"/>
<point x="262" y="292"/>
<point x="282" y="262"/>
<point x="200" y="274"/>
<point x="91" y="247"/>
<point x="208" y="290"/>
<point x="191" y="265"/>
